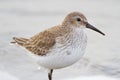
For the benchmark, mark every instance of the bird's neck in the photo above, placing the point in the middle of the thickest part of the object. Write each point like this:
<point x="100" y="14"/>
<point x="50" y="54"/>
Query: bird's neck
<point x="71" y="28"/>
<point x="62" y="30"/>
<point x="76" y="37"/>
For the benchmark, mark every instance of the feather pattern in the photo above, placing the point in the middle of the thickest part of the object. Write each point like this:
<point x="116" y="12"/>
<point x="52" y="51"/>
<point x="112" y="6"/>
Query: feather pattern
<point x="41" y="43"/>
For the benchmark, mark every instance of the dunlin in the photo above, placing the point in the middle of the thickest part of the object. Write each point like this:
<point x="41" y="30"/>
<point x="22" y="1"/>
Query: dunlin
<point x="61" y="45"/>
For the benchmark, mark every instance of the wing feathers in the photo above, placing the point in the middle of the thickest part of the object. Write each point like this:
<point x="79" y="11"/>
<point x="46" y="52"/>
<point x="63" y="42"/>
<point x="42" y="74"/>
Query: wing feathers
<point x="42" y="42"/>
<point x="20" y="41"/>
<point x="39" y="44"/>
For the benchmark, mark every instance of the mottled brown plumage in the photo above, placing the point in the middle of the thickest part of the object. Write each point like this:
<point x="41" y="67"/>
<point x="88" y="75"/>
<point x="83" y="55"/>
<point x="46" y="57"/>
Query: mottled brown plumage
<point x="42" y="42"/>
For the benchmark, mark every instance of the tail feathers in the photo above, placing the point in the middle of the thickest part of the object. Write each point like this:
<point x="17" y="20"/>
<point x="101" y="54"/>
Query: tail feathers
<point x="20" y="41"/>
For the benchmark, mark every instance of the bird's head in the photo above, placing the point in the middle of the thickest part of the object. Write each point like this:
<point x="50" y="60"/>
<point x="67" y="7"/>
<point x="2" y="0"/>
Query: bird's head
<point x="77" y="19"/>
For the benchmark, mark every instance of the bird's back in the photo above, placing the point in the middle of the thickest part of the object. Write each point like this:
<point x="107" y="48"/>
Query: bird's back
<point x="42" y="42"/>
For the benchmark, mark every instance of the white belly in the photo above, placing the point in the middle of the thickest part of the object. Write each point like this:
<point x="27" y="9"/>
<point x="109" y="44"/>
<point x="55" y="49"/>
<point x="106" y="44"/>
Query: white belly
<point x="60" y="60"/>
<point x="62" y="56"/>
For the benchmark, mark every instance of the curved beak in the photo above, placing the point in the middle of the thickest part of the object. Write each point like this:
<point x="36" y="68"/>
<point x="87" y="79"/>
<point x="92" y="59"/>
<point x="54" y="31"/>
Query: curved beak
<point x="93" y="28"/>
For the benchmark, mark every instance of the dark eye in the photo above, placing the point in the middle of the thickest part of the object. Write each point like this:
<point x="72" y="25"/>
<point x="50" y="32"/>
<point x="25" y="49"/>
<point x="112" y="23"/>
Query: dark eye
<point x="78" y="19"/>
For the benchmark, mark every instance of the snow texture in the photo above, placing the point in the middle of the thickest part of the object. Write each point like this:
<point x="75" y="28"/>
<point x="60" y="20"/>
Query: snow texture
<point x="6" y="76"/>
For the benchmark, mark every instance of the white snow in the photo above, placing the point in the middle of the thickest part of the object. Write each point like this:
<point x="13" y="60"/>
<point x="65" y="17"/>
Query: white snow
<point x="93" y="78"/>
<point x="7" y="76"/>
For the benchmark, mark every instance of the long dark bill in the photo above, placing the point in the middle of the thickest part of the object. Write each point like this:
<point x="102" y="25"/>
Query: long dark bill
<point x="93" y="28"/>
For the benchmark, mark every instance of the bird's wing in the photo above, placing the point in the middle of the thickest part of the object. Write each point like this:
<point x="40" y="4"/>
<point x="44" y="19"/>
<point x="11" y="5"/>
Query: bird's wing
<point x="41" y="43"/>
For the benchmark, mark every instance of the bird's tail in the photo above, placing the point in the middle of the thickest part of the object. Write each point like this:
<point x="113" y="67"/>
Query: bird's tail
<point x="19" y="41"/>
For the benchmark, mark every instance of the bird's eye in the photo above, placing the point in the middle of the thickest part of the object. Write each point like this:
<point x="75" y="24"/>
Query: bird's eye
<point x="78" y="19"/>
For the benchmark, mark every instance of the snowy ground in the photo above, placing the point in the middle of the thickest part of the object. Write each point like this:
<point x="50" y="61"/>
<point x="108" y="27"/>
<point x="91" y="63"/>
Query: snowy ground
<point x="6" y="76"/>
<point x="25" y="18"/>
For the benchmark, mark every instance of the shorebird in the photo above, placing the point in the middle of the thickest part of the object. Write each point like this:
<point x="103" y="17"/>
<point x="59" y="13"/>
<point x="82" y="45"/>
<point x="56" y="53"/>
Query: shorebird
<point x="61" y="45"/>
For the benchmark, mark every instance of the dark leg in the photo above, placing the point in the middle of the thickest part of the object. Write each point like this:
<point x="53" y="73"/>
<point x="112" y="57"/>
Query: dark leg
<point x="50" y="74"/>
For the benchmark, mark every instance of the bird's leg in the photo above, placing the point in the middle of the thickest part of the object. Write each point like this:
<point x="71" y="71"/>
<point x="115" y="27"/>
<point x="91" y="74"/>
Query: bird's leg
<point x="50" y="74"/>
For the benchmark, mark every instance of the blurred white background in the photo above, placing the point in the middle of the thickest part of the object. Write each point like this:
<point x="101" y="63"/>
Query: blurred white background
<point x="25" y="18"/>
